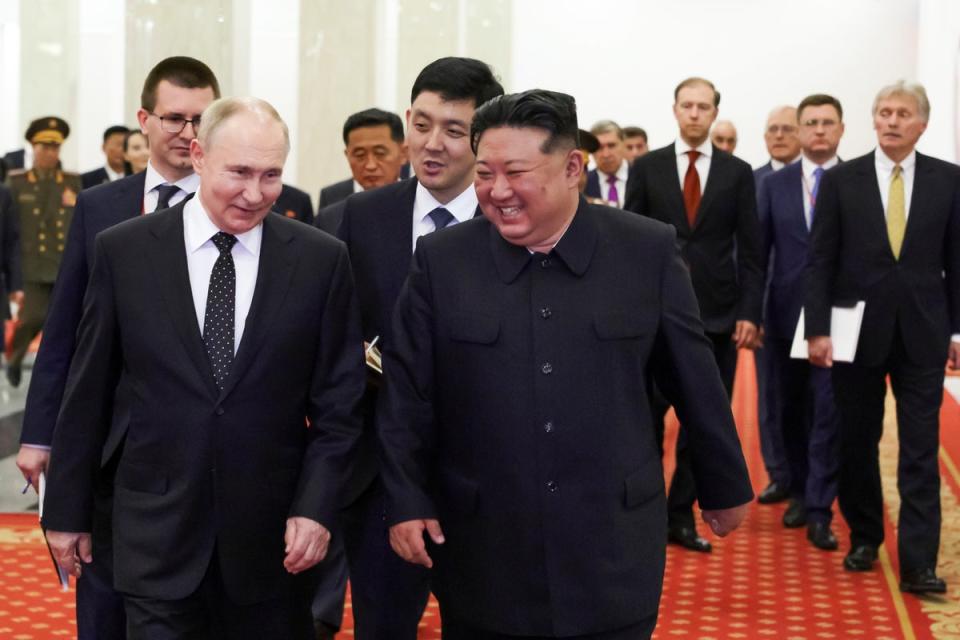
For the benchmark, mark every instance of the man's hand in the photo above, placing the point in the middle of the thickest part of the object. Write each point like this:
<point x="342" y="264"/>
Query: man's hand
<point x="307" y="541"/>
<point x="820" y="351"/>
<point x="745" y="334"/>
<point x="953" y="361"/>
<point x="723" y="521"/>
<point x="70" y="549"/>
<point x="32" y="461"/>
<point x="406" y="538"/>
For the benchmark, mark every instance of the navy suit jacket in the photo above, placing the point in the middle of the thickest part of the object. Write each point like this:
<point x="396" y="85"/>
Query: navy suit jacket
<point x="11" y="275"/>
<point x="294" y="203"/>
<point x="851" y="260"/>
<point x="762" y="172"/>
<point x="94" y="177"/>
<point x="335" y="192"/>
<point x="330" y="217"/>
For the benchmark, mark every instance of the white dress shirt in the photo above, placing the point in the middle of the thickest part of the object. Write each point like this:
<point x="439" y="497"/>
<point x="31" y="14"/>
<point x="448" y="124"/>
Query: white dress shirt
<point x="357" y="187"/>
<point x="703" y="161"/>
<point x="111" y="174"/>
<point x="884" y="167"/>
<point x="151" y="196"/>
<point x="807" y="167"/>
<point x="621" y="181"/>
<point x="198" y="231"/>
<point x="463" y="208"/>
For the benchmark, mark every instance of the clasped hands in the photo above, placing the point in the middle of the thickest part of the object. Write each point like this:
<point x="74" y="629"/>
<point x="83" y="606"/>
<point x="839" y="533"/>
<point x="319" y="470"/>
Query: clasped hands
<point x="306" y="543"/>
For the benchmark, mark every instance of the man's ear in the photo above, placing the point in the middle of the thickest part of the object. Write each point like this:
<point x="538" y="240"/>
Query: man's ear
<point x="197" y="156"/>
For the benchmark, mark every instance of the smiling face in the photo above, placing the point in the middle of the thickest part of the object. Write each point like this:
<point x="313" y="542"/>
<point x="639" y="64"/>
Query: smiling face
<point x="438" y="139"/>
<point x="137" y="152"/>
<point x="240" y="170"/>
<point x="528" y="195"/>
<point x="898" y="125"/>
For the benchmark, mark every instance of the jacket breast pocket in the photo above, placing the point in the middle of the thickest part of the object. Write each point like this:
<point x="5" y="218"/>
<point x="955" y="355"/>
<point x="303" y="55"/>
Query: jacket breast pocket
<point x="621" y="325"/>
<point x="142" y="477"/>
<point x="474" y="328"/>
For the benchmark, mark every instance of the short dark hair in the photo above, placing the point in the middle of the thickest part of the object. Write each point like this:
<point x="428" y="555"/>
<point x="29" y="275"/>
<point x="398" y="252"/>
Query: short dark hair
<point x="458" y="79"/>
<point x="818" y="100"/>
<point x="695" y="80"/>
<point x="114" y="130"/>
<point x="633" y="132"/>
<point x="374" y="118"/>
<point x="554" y="112"/>
<point x="181" y="71"/>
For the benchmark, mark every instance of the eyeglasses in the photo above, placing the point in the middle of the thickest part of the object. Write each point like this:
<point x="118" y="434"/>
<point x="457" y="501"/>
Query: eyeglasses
<point x="813" y="123"/>
<point x="785" y="129"/>
<point x="176" y="124"/>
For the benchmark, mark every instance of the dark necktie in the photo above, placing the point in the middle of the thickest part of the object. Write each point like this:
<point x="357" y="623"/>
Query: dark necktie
<point x="613" y="195"/>
<point x="218" y="319"/>
<point x="691" y="188"/>
<point x="165" y="191"/>
<point x="817" y="174"/>
<point x="441" y="218"/>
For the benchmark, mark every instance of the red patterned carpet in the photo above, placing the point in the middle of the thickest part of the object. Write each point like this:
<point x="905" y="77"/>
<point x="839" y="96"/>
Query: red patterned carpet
<point x="763" y="582"/>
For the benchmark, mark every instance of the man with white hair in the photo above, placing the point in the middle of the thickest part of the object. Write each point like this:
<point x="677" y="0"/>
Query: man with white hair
<point x="887" y="232"/>
<point x="237" y="330"/>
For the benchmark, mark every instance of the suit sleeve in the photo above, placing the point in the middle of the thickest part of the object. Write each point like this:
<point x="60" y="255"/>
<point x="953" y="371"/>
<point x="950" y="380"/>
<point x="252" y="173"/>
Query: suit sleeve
<point x="338" y="382"/>
<point x="87" y="407"/>
<point x="59" y="336"/>
<point x="765" y="216"/>
<point x="952" y="256"/>
<point x="750" y="264"/>
<point x="635" y="198"/>
<point x="12" y="269"/>
<point x="405" y="419"/>
<point x="686" y="371"/>
<point x="825" y="244"/>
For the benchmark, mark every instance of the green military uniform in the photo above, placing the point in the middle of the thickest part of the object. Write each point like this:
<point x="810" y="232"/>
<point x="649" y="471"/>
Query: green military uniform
<point x="45" y="199"/>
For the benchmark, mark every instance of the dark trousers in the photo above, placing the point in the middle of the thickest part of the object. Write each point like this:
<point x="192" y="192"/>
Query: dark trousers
<point x="209" y="613"/>
<point x="36" y="300"/>
<point x="683" y="489"/>
<point x="100" y="609"/>
<point x="811" y="430"/>
<point x="769" y="417"/>
<point x="388" y="593"/>
<point x="860" y="392"/>
<point x="331" y="588"/>
<point x="453" y="630"/>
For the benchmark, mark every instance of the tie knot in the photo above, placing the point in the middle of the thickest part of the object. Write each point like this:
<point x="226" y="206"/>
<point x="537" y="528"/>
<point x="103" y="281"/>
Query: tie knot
<point x="441" y="217"/>
<point x="897" y="170"/>
<point x="165" y="192"/>
<point x="818" y="172"/>
<point x="224" y="241"/>
<point x="693" y="154"/>
<point x="611" y="179"/>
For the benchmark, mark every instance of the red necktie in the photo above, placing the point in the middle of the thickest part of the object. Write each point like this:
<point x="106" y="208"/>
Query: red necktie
<point x="691" y="188"/>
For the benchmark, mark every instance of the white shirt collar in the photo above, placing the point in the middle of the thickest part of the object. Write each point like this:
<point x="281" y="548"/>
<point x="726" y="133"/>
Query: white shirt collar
<point x="808" y="166"/>
<point x="111" y="174"/>
<point x="885" y="164"/>
<point x="188" y="184"/>
<point x="705" y="148"/>
<point x="199" y="229"/>
<point x="463" y="207"/>
<point x="357" y="187"/>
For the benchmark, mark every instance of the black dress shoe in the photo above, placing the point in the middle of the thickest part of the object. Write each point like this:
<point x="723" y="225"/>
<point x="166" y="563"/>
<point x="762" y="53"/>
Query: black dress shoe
<point x="922" y="581"/>
<point x="775" y="492"/>
<point x="820" y="536"/>
<point x="687" y="537"/>
<point x="860" y="558"/>
<point x="795" y="516"/>
<point x="13" y="375"/>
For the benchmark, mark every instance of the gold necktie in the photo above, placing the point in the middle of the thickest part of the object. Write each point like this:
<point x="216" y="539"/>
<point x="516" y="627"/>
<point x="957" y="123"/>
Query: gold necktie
<point x="896" y="212"/>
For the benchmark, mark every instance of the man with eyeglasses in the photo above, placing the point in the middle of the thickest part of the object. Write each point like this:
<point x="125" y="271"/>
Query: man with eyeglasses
<point x="175" y="93"/>
<point x="809" y="420"/>
<point x="783" y="145"/>
<point x="708" y="195"/>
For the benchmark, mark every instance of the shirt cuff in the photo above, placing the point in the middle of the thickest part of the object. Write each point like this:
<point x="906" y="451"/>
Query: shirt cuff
<point x="43" y="447"/>
<point x="955" y="337"/>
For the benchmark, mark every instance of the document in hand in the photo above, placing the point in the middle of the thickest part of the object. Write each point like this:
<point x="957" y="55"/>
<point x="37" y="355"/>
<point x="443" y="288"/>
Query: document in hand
<point x="844" y="333"/>
<point x="62" y="575"/>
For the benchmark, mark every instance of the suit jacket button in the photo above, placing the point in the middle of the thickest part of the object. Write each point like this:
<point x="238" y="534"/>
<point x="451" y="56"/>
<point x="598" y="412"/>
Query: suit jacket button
<point x="552" y="486"/>
<point x="545" y="263"/>
<point x="220" y="411"/>
<point x="548" y="426"/>
<point x="546" y="368"/>
<point x="546" y="313"/>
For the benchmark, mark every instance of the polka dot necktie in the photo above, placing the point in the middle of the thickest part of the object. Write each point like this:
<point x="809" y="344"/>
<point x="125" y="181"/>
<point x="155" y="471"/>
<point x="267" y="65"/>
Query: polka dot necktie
<point x="218" y="319"/>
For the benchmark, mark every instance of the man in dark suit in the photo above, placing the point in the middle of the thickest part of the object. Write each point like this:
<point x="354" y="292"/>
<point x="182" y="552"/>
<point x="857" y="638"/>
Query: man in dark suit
<point x="546" y="518"/>
<point x="112" y="148"/>
<point x="609" y="180"/>
<point x="783" y="145"/>
<point x="708" y="196"/>
<point x="231" y="344"/>
<point x="294" y="203"/>
<point x="886" y="232"/>
<point x="177" y="87"/>
<point x="376" y="152"/>
<point x="380" y="228"/>
<point x="810" y="430"/>
<point x="11" y="275"/>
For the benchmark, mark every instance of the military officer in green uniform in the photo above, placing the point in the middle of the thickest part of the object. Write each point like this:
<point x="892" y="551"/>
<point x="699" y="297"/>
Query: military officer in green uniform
<point x="44" y="196"/>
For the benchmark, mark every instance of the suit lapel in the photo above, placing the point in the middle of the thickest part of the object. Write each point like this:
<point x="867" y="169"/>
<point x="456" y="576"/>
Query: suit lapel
<point x="668" y="173"/>
<point x="918" y="197"/>
<point x="169" y="260"/>
<point x="876" y="219"/>
<point x="130" y="198"/>
<point x="718" y="164"/>
<point x="275" y="270"/>
<point x="797" y="193"/>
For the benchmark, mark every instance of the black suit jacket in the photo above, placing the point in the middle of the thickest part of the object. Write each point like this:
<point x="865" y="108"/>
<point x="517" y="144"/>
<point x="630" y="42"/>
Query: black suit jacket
<point x="516" y="411"/>
<point x="97" y="209"/>
<point x="722" y="250"/>
<point x="11" y="276"/>
<point x="335" y="192"/>
<point x="94" y="177"/>
<point x="203" y="468"/>
<point x="294" y="203"/>
<point x="330" y="217"/>
<point x="851" y="260"/>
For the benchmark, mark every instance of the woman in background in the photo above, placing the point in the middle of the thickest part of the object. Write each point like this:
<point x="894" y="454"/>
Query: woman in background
<point x="136" y="152"/>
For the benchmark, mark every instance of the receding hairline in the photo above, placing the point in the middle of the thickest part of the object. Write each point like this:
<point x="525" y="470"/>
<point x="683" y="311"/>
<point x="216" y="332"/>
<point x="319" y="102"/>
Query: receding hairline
<point x="776" y="111"/>
<point x="225" y="109"/>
